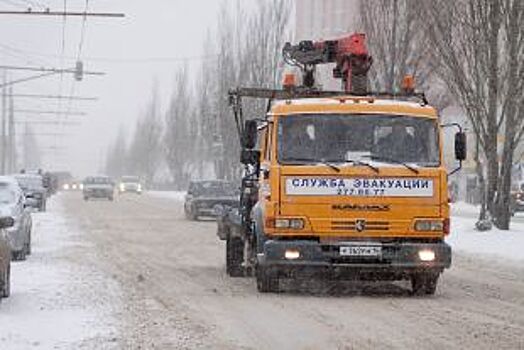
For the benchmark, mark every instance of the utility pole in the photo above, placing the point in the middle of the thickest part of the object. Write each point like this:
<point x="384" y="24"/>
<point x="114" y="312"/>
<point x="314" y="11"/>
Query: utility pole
<point x="12" y="134"/>
<point x="4" y="128"/>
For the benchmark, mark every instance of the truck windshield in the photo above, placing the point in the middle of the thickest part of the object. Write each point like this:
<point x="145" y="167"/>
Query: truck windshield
<point x="352" y="137"/>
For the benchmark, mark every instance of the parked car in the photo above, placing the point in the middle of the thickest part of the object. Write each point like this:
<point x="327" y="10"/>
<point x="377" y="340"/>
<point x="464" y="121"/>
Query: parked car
<point x="204" y="198"/>
<point x="517" y="198"/>
<point x="98" y="187"/>
<point x="130" y="184"/>
<point x="13" y="204"/>
<point x="33" y="187"/>
<point x="5" y="257"/>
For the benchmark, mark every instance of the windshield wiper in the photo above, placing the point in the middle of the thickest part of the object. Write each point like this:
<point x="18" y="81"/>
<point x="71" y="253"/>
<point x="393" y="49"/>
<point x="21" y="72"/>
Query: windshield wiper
<point x="327" y="163"/>
<point x="392" y="160"/>
<point x="358" y="162"/>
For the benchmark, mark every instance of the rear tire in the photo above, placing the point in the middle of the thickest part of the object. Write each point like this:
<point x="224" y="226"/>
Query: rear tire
<point x="28" y="246"/>
<point x="424" y="283"/>
<point x="266" y="282"/>
<point x="234" y="257"/>
<point x="6" y="283"/>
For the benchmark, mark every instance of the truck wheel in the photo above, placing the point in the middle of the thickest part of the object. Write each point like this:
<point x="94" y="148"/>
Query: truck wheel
<point x="266" y="282"/>
<point x="234" y="257"/>
<point x="192" y="214"/>
<point x="424" y="283"/>
<point x="86" y="199"/>
<point x="20" y="255"/>
<point x="5" y="283"/>
<point x="28" y="246"/>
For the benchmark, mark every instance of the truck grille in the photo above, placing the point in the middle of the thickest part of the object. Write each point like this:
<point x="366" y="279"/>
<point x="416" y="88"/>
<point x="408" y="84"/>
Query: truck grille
<point x="359" y="225"/>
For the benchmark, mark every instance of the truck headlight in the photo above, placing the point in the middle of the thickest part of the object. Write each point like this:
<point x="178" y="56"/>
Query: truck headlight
<point x="292" y="254"/>
<point x="429" y="225"/>
<point x="290" y="223"/>
<point x="122" y="187"/>
<point x="426" y="255"/>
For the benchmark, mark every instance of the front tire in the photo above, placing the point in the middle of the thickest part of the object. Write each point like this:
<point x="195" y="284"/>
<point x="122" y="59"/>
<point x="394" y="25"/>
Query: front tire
<point x="424" y="283"/>
<point x="267" y="282"/>
<point x="20" y="255"/>
<point x="234" y="257"/>
<point x="191" y="214"/>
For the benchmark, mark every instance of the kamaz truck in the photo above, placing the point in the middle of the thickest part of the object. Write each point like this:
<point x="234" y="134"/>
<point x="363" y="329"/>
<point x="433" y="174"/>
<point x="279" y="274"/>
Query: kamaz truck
<point x="346" y="184"/>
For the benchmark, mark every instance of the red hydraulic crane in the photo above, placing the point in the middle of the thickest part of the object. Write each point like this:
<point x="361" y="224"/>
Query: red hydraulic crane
<point x="349" y="53"/>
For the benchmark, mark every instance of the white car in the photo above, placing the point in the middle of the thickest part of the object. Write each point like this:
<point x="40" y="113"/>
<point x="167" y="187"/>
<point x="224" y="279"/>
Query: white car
<point x="13" y="204"/>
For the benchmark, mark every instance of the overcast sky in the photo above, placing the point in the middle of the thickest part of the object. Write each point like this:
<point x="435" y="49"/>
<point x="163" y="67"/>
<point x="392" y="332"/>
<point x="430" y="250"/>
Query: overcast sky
<point x="134" y="52"/>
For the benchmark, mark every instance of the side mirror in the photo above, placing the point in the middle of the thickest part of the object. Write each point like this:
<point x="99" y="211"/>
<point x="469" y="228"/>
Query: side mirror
<point x="249" y="138"/>
<point x="461" y="151"/>
<point x="250" y="157"/>
<point x="6" y="222"/>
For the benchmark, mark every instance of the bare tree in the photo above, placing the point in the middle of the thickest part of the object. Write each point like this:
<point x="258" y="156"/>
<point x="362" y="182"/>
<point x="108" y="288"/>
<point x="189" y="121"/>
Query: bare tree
<point x="116" y="157"/>
<point x="479" y="48"/>
<point x="178" y="143"/>
<point x="249" y="49"/>
<point x="396" y="41"/>
<point x="145" y="149"/>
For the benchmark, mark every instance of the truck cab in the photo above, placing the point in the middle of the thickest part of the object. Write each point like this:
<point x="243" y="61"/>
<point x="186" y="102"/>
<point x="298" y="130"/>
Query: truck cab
<point x="347" y="184"/>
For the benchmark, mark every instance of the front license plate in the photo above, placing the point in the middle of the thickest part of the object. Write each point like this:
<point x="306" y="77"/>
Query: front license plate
<point x="367" y="251"/>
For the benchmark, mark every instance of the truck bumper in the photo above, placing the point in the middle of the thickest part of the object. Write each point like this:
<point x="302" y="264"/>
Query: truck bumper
<point x="396" y="260"/>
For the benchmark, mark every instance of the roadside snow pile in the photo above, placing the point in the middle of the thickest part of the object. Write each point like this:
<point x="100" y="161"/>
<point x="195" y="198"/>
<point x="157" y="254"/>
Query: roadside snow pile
<point x="176" y="195"/>
<point x="59" y="299"/>
<point x="497" y="243"/>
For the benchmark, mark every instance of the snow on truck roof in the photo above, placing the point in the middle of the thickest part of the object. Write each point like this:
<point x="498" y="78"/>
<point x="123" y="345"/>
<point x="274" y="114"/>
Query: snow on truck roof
<point x="354" y="104"/>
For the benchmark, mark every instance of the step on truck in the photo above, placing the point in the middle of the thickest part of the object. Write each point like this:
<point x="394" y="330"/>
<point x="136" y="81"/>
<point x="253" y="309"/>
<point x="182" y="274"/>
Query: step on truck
<point x="345" y="184"/>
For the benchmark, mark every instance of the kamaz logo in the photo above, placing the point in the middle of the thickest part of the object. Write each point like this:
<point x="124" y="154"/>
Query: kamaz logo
<point x="362" y="207"/>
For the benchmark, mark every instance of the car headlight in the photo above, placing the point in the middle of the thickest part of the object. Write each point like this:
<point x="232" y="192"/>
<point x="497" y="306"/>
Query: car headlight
<point x="65" y="187"/>
<point x="122" y="187"/>
<point x="81" y="186"/>
<point x="434" y="225"/>
<point x="139" y="187"/>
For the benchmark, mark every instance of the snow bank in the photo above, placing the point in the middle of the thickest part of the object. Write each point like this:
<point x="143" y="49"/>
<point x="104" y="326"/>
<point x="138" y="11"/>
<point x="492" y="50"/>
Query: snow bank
<point x="507" y="245"/>
<point x="57" y="300"/>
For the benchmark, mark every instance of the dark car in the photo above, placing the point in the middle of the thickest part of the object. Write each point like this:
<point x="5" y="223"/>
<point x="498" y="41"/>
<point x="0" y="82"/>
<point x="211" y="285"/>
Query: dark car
<point x="517" y="198"/>
<point x="205" y="197"/>
<point x="98" y="187"/>
<point x="33" y="187"/>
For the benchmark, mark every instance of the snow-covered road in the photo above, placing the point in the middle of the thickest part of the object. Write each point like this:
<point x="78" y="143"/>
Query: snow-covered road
<point x="60" y="298"/>
<point x="134" y="274"/>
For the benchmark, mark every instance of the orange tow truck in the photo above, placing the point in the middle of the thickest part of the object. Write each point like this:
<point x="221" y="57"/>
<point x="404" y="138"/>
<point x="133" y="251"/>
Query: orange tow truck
<point x="344" y="184"/>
